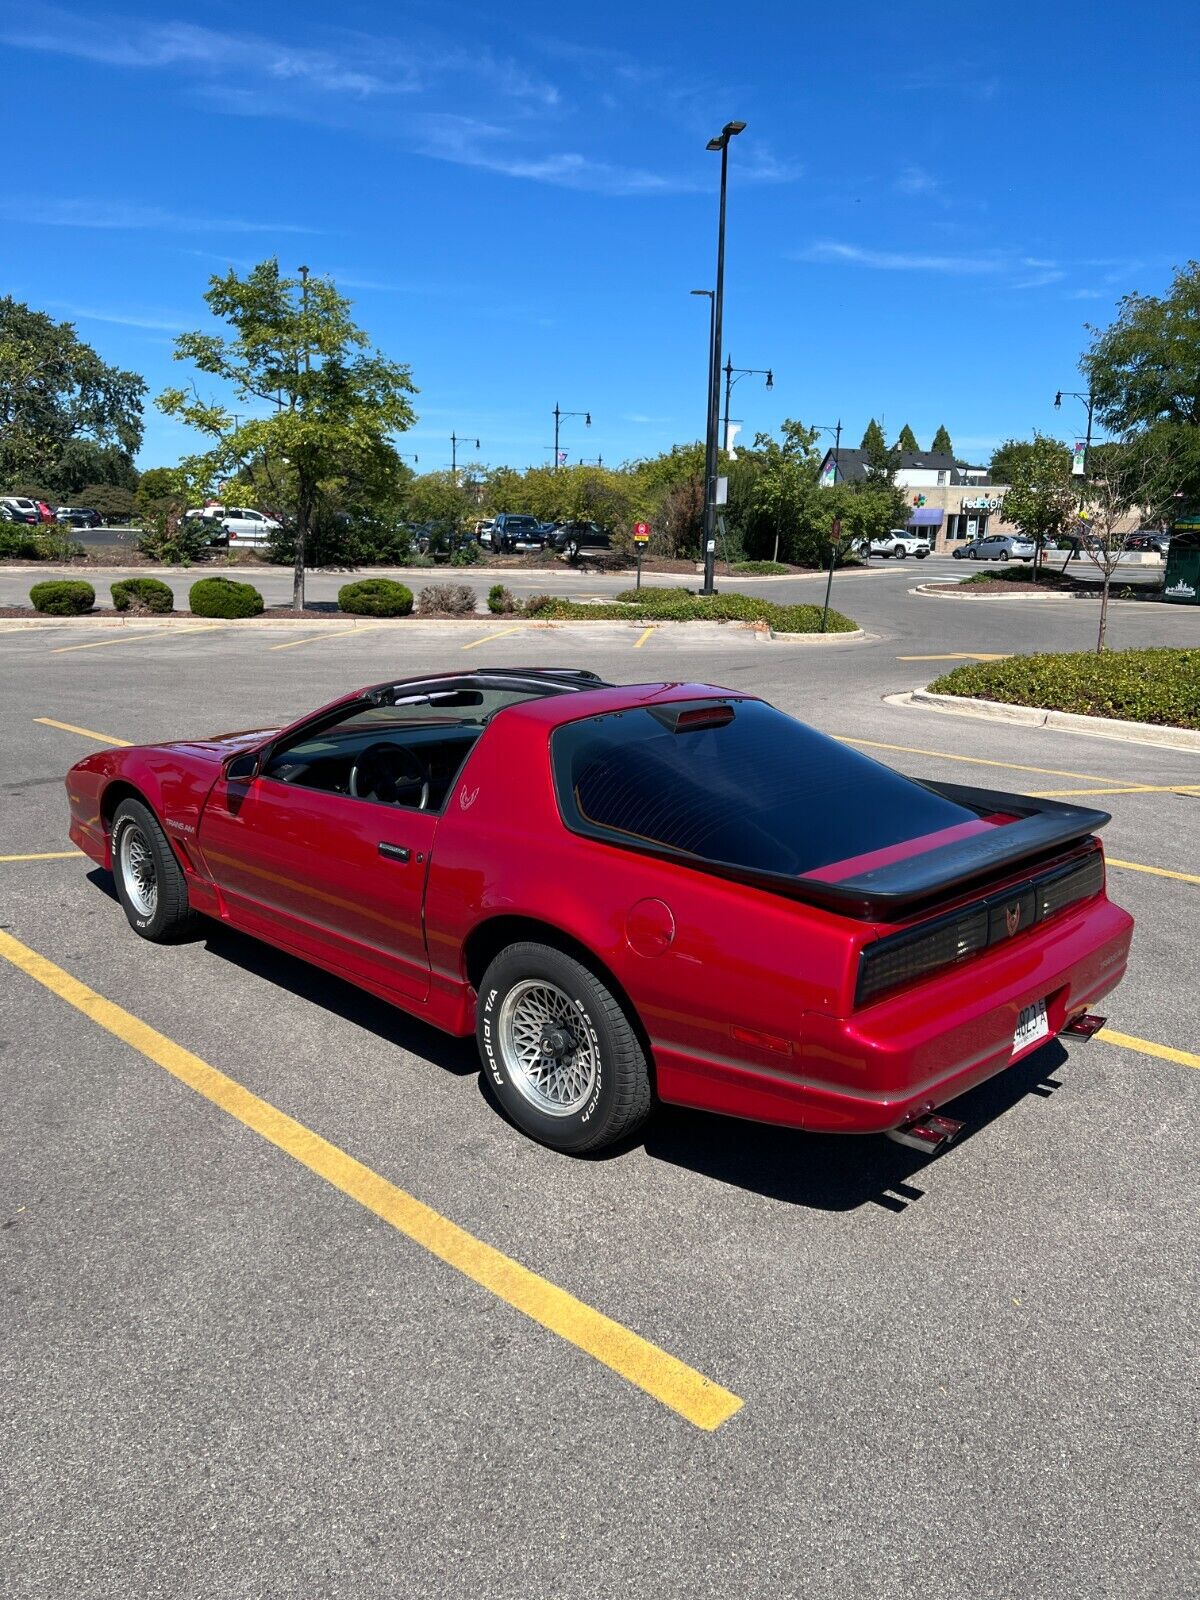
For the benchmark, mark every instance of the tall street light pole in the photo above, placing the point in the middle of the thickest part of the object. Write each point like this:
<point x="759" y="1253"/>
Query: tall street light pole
<point x="558" y="416"/>
<point x="835" y="527"/>
<point x="721" y="143"/>
<point x="455" y="441"/>
<point x="732" y="374"/>
<point x="1087" y="400"/>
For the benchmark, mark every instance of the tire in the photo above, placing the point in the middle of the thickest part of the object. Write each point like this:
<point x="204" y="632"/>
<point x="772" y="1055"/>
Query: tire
<point x="921" y="554"/>
<point x="149" y="880"/>
<point x="573" y="551"/>
<point x="900" y="552"/>
<point x="594" y="1093"/>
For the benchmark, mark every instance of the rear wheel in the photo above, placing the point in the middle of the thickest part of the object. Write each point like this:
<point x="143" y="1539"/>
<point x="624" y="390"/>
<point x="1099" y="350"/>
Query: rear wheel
<point x="559" y="1051"/>
<point x="150" y="882"/>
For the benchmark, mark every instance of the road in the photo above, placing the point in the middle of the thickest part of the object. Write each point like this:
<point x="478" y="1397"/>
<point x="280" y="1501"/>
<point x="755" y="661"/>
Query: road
<point x="224" y="1376"/>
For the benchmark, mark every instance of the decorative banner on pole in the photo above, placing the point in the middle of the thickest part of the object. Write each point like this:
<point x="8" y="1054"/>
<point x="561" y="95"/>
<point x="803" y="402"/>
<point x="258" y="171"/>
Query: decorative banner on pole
<point x="1079" y="459"/>
<point x="562" y="456"/>
<point x="732" y="429"/>
<point x="828" y="473"/>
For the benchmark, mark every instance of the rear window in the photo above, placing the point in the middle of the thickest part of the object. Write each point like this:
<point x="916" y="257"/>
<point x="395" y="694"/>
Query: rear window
<point x="760" y="791"/>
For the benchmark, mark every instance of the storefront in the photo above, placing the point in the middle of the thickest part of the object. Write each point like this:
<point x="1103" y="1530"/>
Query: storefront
<point x="951" y="516"/>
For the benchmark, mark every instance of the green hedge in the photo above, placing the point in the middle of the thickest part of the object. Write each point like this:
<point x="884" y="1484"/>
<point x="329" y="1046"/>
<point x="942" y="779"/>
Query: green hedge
<point x="1161" y="685"/>
<point x="375" y="597"/>
<point x="60" y="597"/>
<point x="142" y="594"/>
<point x="223" y="597"/>
<point x="680" y="605"/>
<point x="762" y="569"/>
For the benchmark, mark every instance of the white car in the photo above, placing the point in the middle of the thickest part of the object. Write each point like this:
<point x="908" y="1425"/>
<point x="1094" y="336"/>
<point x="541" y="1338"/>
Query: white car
<point x="896" y="542"/>
<point x="239" y="526"/>
<point x="1005" y="547"/>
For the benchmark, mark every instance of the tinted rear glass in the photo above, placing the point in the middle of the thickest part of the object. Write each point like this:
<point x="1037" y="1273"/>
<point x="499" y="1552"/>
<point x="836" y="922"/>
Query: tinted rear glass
<point x="762" y="792"/>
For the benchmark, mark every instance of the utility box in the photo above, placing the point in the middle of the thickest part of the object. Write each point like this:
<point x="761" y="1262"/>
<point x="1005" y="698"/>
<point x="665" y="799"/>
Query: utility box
<point x="1181" y="581"/>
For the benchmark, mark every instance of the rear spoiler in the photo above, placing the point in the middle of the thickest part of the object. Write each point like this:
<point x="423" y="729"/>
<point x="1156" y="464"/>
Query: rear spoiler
<point x="1043" y="828"/>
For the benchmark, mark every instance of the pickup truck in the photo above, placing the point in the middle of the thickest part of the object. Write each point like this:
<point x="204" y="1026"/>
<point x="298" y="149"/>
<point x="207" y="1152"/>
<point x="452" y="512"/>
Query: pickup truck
<point x="896" y="542"/>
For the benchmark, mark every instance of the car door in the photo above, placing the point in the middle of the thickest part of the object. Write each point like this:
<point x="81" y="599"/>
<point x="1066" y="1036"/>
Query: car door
<point x="326" y="875"/>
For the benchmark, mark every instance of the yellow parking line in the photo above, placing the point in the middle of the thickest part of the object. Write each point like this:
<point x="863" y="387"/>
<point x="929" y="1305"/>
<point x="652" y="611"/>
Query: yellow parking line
<point x="45" y="855"/>
<point x="1159" y="872"/>
<point x="1147" y="1047"/>
<point x="974" y="761"/>
<point x="1133" y="788"/>
<point x="134" y="638"/>
<point x="643" y="639"/>
<point x="684" y="1390"/>
<point x="84" y="733"/>
<point x="314" y="638"/>
<point x="488" y="637"/>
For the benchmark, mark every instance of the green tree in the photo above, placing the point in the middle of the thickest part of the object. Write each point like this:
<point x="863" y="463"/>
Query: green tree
<point x="1040" y="500"/>
<point x="907" y="442"/>
<point x="873" y="438"/>
<point x="1144" y="375"/>
<point x="113" y="502"/>
<point x="1013" y="455"/>
<point x="55" y="394"/>
<point x="941" y="445"/>
<point x="294" y="348"/>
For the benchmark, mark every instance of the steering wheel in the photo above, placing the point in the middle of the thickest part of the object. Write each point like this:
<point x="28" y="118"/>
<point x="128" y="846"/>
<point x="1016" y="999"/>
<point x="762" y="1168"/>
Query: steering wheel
<point x="392" y="773"/>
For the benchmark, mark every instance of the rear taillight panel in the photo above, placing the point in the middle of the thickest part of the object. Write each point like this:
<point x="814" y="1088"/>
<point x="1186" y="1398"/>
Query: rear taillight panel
<point x="899" y="959"/>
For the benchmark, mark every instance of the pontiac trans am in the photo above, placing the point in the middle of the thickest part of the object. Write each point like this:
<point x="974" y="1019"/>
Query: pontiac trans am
<point x="628" y="893"/>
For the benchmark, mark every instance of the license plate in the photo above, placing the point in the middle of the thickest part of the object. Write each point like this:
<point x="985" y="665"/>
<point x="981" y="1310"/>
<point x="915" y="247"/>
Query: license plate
<point x="1031" y="1026"/>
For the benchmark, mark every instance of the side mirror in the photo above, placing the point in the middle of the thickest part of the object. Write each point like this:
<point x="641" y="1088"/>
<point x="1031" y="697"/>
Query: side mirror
<point x="242" y="768"/>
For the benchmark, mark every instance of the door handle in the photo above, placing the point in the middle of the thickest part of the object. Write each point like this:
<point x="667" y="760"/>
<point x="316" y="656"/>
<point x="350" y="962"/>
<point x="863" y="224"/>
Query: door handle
<point x="395" y="852"/>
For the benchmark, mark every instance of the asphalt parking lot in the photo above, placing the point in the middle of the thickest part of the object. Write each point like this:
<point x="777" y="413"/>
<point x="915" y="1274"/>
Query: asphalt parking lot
<point x="232" y="1370"/>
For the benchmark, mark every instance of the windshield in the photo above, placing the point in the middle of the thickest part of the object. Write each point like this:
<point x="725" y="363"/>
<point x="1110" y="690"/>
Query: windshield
<point x="754" y="790"/>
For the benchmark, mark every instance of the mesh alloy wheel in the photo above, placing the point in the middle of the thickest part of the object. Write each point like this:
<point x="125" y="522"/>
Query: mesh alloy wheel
<point x="549" y="1056"/>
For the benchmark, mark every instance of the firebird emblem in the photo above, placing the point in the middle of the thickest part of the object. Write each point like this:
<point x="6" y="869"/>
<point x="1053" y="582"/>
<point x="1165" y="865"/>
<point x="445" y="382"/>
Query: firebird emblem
<point x="1012" y="918"/>
<point x="467" y="798"/>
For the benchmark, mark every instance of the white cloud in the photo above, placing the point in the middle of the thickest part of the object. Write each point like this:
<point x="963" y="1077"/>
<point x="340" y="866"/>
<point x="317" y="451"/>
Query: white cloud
<point x="119" y="215"/>
<point x="831" y="250"/>
<point x="122" y="319"/>
<point x="915" y="180"/>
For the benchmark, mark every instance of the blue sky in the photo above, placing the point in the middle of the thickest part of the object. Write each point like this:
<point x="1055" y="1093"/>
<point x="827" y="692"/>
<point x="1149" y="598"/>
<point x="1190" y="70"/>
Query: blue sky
<point x="927" y="205"/>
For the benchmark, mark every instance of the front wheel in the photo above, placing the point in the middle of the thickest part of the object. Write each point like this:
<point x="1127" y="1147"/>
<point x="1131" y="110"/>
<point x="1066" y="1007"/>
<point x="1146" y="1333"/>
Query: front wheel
<point x="149" y="880"/>
<point x="921" y="554"/>
<point x="560" y="1053"/>
<point x="899" y="552"/>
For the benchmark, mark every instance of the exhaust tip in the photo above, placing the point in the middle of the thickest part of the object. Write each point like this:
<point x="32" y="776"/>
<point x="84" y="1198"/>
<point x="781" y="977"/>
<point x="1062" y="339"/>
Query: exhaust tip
<point x="928" y="1132"/>
<point x="1085" y="1025"/>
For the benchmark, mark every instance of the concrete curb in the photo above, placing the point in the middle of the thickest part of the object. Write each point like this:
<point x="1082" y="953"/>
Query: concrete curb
<point x="955" y="705"/>
<point x="702" y="628"/>
<point x="1040" y="599"/>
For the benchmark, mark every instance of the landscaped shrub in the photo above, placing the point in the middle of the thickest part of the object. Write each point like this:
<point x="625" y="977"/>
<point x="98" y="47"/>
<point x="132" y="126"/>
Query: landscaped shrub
<point x="376" y="597"/>
<point x="22" y="543"/>
<point x="447" y="600"/>
<point x="678" y="605"/>
<point x="538" y="602"/>
<point x="467" y="555"/>
<point x="1160" y="685"/>
<point x="502" y="601"/>
<point x="142" y="594"/>
<point x="761" y="569"/>
<point x="61" y="597"/>
<point x="224" y="597"/>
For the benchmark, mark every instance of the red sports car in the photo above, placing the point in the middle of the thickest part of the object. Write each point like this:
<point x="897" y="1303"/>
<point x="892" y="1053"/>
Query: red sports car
<point x="628" y="892"/>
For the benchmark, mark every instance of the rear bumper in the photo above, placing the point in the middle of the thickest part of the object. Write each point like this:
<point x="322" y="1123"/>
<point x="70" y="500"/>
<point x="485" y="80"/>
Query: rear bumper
<point x="918" y="1050"/>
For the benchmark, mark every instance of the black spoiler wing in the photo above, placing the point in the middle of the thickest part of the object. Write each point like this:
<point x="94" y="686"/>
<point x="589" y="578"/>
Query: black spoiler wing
<point x="1043" y="828"/>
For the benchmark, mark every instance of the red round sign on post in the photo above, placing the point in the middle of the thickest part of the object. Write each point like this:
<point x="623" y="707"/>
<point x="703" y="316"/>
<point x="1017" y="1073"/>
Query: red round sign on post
<point x="641" y="533"/>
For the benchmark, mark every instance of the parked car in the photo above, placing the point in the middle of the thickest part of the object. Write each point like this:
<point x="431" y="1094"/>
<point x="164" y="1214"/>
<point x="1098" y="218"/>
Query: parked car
<point x="624" y="892"/>
<point x="1006" y="547"/>
<point x="20" y="508"/>
<point x="79" y="517"/>
<point x="896" y="542"/>
<point x="517" y="531"/>
<point x="237" y="526"/>
<point x="577" y="538"/>
<point x="968" y="551"/>
<point x="1148" y="540"/>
